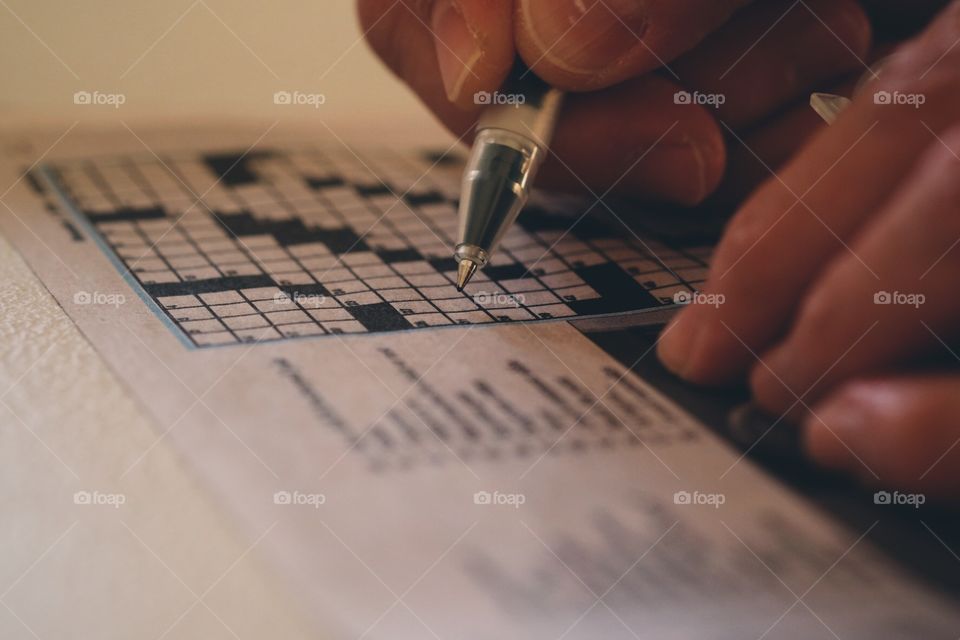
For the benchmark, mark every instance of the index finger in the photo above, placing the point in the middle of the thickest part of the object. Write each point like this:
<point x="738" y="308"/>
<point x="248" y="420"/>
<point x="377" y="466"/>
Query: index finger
<point x="779" y="241"/>
<point x="581" y="45"/>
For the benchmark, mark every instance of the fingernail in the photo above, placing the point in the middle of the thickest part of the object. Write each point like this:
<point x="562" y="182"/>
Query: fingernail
<point x="458" y="48"/>
<point x="677" y="344"/>
<point x="585" y="37"/>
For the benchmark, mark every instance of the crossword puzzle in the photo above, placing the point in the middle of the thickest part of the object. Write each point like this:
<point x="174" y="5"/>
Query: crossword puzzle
<point x="284" y="243"/>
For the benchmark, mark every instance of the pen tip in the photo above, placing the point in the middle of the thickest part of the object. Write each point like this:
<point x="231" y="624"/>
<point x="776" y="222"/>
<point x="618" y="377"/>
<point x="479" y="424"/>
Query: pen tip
<point x="465" y="271"/>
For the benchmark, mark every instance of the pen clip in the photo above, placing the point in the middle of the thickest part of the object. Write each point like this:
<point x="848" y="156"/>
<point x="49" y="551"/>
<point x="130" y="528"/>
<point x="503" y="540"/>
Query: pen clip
<point x="829" y="106"/>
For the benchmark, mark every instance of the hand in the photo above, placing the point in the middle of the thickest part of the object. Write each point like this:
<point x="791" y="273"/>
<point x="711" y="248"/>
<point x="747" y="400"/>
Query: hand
<point x="839" y="281"/>
<point x="622" y="130"/>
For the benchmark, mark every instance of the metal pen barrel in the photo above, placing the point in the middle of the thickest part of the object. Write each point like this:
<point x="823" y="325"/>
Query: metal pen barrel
<point x="513" y="136"/>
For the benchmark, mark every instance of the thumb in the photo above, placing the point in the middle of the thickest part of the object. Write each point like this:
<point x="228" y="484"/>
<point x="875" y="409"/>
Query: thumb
<point x="583" y="45"/>
<point x="445" y="50"/>
<point x="474" y="44"/>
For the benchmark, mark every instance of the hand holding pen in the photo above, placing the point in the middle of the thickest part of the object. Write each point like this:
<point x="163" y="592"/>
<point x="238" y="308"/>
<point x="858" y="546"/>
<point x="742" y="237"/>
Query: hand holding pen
<point x="821" y="264"/>
<point x="624" y="129"/>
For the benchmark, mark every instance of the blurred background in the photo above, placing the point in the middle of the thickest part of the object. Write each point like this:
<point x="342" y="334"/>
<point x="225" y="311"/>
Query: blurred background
<point x="190" y="62"/>
<point x="192" y="58"/>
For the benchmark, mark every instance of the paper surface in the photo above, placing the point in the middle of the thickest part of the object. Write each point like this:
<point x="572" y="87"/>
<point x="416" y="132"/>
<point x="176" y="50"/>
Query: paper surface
<point x="504" y="478"/>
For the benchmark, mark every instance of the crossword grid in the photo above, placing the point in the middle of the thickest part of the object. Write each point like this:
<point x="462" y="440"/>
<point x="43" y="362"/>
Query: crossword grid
<point x="308" y="242"/>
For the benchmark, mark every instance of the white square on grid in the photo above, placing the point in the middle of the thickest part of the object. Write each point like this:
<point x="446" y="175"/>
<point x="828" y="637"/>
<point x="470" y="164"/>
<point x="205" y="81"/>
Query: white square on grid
<point x="190" y="313"/>
<point x="329" y="315"/>
<point x="246" y="322"/>
<point x="346" y="326"/>
<point x="400" y="295"/>
<point x="202" y="326"/>
<point x="261" y="293"/>
<point x="221" y="297"/>
<point x="258" y="335"/>
<point x="236" y="309"/>
<point x="470" y="317"/>
<point x="428" y="320"/>
<point x="177" y="302"/>
<point x="361" y="298"/>
<point x="303" y="329"/>
<point x="211" y="339"/>
<point x="287" y="317"/>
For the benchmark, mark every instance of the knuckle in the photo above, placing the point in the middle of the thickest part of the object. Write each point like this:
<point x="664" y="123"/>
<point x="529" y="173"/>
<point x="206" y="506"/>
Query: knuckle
<point x="818" y="312"/>
<point x="937" y="219"/>
<point x="737" y="241"/>
<point x="951" y="140"/>
<point x="745" y="233"/>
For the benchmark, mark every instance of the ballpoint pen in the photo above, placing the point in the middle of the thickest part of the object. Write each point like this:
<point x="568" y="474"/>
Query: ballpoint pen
<point x="512" y="141"/>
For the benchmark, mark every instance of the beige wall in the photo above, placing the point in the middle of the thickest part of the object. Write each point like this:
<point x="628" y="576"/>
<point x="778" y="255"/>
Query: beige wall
<point x="199" y="57"/>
